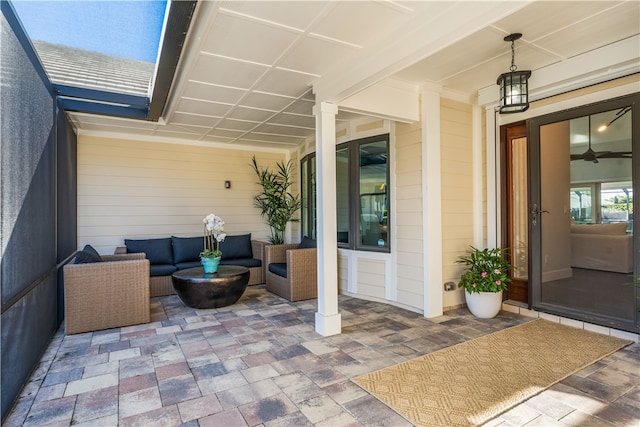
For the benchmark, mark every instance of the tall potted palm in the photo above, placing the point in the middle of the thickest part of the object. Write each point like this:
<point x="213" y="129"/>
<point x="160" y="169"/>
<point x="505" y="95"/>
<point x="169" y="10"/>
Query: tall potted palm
<point x="486" y="277"/>
<point x="276" y="202"/>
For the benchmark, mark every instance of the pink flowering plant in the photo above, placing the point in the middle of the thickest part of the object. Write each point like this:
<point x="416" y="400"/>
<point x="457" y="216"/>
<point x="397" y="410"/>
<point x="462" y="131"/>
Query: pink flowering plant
<point x="487" y="270"/>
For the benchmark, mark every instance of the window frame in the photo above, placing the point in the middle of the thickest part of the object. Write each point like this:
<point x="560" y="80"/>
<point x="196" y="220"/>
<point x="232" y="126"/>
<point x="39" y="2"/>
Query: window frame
<point x="353" y="148"/>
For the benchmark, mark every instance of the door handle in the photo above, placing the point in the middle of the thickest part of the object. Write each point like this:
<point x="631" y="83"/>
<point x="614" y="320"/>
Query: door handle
<point x="535" y="212"/>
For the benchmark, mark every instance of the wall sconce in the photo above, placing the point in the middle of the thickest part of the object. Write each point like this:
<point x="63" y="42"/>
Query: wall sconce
<point x="514" y="85"/>
<point x="227" y="184"/>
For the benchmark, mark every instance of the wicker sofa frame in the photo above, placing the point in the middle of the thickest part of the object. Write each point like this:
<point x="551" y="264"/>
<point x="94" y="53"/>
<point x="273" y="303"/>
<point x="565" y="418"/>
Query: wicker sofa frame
<point x="107" y="294"/>
<point x="301" y="282"/>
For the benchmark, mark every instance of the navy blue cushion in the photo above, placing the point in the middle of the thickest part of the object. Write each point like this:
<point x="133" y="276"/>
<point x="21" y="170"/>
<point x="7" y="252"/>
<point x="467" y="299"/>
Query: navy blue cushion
<point x="244" y="262"/>
<point x="186" y="249"/>
<point x="279" y="268"/>
<point x="162" y="270"/>
<point x="188" y="264"/>
<point x="87" y="255"/>
<point x="235" y="247"/>
<point x="307" y="243"/>
<point x="158" y="251"/>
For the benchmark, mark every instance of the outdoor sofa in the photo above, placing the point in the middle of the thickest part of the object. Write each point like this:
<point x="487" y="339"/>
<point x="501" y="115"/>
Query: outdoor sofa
<point x="170" y="254"/>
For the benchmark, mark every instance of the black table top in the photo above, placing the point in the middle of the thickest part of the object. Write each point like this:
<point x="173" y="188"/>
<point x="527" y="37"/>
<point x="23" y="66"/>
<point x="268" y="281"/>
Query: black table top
<point x="198" y="272"/>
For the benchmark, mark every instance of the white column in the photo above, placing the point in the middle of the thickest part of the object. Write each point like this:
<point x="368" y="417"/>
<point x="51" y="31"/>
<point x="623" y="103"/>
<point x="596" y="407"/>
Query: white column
<point x="493" y="203"/>
<point x="431" y="201"/>
<point x="328" y="320"/>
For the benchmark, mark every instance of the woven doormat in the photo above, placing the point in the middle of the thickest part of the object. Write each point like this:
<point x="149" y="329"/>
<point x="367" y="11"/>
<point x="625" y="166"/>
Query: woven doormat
<point x="473" y="382"/>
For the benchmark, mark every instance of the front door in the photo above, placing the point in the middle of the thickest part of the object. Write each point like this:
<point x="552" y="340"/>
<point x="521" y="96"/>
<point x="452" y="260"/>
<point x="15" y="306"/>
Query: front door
<point x="580" y="213"/>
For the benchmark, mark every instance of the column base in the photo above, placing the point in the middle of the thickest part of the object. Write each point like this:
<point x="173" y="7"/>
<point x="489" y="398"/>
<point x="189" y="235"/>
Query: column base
<point x="327" y="325"/>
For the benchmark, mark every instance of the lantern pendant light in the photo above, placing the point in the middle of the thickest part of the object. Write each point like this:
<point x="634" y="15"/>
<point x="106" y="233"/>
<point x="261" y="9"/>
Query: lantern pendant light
<point x="514" y="85"/>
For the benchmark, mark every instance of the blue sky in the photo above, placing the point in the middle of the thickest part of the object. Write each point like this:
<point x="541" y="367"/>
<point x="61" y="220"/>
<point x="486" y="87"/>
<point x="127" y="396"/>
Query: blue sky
<point x="130" y="29"/>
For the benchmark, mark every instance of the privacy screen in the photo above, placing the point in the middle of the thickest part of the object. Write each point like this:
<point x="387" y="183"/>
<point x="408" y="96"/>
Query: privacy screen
<point x="29" y="225"/>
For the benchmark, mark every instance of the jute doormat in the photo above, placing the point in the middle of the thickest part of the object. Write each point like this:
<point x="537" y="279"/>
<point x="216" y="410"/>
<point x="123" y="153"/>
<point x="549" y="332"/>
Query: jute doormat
<point x="473" y="382"/>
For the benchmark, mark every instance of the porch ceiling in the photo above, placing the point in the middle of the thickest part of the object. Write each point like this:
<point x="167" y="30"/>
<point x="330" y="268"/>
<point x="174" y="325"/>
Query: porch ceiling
<point x="251" y="70"/>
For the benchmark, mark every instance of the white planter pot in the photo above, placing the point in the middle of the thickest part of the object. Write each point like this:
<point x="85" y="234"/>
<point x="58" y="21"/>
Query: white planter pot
<point x="484" y="305"/>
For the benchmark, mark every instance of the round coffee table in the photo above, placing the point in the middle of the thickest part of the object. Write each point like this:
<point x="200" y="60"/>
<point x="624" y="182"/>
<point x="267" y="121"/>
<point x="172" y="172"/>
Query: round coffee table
<point x="198" y="289"/>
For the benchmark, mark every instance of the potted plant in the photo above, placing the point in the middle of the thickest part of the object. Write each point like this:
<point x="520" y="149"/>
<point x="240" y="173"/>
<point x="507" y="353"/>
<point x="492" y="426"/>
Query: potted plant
<point x="213" y="235"/>
<point x="276" y="203"/>
<point x="487" y="275"/>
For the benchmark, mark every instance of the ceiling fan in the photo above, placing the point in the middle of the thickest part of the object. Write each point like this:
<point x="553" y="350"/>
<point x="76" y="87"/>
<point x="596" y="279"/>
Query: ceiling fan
<point x="592" y="156"/>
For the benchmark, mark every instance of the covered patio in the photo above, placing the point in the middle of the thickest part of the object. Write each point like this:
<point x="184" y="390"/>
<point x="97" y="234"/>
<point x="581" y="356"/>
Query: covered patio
<point x="290" y="81"/>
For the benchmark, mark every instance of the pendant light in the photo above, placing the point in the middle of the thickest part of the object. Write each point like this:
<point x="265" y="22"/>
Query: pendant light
<point x="514" y="85"/>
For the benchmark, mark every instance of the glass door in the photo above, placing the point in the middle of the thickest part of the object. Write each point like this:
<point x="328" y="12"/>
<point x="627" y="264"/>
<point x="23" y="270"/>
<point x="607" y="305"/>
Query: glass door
<point x="581" y="214"/>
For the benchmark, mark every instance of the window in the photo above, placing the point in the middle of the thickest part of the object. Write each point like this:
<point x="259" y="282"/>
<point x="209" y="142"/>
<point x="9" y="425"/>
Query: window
<point x="362" y="199"/>
<point x="616" y="202"/>
<point x="581" y="204"/>
<point x="602" y="202"/>
<point x="372" y="191"/>
<point x="308" y="196"/>
<point x="342" y="195"/>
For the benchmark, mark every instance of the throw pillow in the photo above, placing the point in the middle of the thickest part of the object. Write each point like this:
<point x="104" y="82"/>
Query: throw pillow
<point x="158" y="251"/>
<point x="186" y="249"/>
<point x="88" y="254"/>
<point x="307" y="243"/>
<point x="236" y="247"/>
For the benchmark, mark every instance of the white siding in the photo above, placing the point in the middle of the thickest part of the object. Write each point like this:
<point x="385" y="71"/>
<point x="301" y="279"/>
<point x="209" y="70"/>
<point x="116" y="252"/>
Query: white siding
<point x="457" y="191"/>
<point x="343" y="273"/>
<point x="137" y="189"/>
<point x="408" y="215"/>
<point x="371" y="277"/>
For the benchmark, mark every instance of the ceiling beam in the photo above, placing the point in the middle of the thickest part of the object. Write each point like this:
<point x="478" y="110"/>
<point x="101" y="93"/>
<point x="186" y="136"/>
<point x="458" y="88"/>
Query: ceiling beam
<point x="178" y="21"/>
<point x="389" y="99"/>
<point x="100" y="95"/>
<point x="107" y="109"/>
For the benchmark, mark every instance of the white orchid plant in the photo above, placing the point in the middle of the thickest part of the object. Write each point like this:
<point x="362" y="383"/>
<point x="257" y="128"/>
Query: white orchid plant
<point x="213" y="235"/>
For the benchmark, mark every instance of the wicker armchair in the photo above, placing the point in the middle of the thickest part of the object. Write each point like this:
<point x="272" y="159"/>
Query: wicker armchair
<point x="106" y="294"/>
<point x="301" y="268"/>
